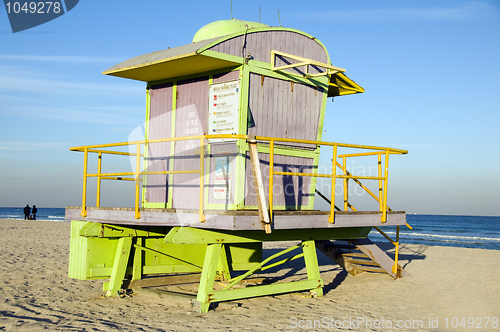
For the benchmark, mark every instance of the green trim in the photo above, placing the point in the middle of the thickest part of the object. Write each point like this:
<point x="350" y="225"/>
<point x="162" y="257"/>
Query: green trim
<point x="314" y="182"/>
<point x="172" y="145"/>
<point x="281" y="207"/>
<point x="284" y="151"/>
<point x="264" y="68"/>
<point x="154" y="205"/>
<point x="146" y="135"/>
<point x="190" y="235"/>
<point x="322" y="115"/>
<point x="220" y="206"/>
<point x="240" y="160"/>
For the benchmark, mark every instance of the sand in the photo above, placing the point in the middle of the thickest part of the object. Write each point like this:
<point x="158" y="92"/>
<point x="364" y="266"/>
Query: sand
<point x="447" y="282"/>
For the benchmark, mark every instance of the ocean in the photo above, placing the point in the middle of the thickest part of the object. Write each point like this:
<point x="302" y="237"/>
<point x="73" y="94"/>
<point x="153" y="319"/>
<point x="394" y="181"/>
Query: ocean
<point x="437" y="230"/>
<point x="448" y="231"/>
<point x="43" y="214"/>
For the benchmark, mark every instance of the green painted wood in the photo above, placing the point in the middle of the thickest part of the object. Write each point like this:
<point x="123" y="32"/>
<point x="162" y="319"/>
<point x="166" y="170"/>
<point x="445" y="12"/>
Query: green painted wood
<point x="138" y="256"/>
<point x="264" y="68"/>
<point x="239" y="194"/>
<point x="185" y="235"/>
<point x="77" y="252"/>
<point x="223" y="267"/>
<point x="208" y="276"/>
<point x="119" y="265"/>
<point x="146" y="135"/>
<point x="94" y="229"/>
<point x="312" y="268"/>
<point x="172" y="144"/>
<point x="242" y="293"/>
<point x="322" y="114"/>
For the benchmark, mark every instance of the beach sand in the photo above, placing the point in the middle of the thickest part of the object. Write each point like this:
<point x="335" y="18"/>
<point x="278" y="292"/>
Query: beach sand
<point x="447" y="282"/>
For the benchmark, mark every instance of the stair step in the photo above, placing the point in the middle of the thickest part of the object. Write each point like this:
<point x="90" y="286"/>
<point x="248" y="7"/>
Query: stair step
<point x="371" y="269"/>
<point x="361" y="262"/>
<point x="355" y="254"/>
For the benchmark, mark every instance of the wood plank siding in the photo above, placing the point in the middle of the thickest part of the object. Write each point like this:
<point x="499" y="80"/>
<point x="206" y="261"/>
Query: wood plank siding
<point x="158" y="154"/>
<point x="293" y="192"/>
<point x="191" y="116"/>
<point x="279" y="108"/>
<point x="258" y="46"/>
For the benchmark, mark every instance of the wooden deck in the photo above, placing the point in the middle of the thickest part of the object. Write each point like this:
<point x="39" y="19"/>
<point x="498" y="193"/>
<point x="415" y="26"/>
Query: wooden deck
<point x="235" y="220"/>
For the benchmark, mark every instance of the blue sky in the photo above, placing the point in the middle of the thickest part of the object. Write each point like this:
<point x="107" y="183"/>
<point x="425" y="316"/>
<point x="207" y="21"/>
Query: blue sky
<point x="430" y="70"/>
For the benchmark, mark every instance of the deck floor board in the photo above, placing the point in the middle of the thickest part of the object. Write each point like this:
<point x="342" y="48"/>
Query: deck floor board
<point x="235" y="220"/>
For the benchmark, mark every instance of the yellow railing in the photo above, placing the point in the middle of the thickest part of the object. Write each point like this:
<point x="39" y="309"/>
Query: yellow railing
<point x="345" y="176"/>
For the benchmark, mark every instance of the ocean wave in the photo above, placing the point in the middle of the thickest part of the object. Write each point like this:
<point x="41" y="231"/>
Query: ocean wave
<point x="442" y="236"/>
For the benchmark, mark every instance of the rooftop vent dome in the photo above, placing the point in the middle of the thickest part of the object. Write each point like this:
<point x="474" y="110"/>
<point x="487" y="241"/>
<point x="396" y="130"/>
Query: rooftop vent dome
<point x="224" y="28"/>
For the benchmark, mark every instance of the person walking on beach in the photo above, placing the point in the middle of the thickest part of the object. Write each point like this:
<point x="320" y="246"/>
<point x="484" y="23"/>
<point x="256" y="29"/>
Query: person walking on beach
<point x="27" y="212"/>
<point x="34" y="211"/>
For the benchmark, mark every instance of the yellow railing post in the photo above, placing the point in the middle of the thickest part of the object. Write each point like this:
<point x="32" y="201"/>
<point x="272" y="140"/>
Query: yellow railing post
<point x="346" y="183"/>
<point x="98" y="194"/>
<point x="202" y="177"/>
<point x="396" y="255"/>
<point x="137" y="179"/>
<point x="84" y="190"/>
<point x="382" y="172"/>
<point x="380" y="181"/>
<point x="271" y="175"/>
<point x="386" y="175"/>
<point x="331" y="218"/>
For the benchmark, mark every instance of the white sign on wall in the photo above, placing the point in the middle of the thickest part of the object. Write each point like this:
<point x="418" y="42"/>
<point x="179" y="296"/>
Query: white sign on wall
<point x="224" y="108"/>
<point x="222" y="179"/>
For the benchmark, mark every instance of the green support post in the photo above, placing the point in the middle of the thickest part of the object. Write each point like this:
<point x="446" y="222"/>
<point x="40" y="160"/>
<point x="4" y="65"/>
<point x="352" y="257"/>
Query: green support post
<point x="138" y="253"/>
<point x="223" y="266"/>
<point x="119" y="265"/>
<point x="312" y="268"/>
<point x="208" y="276"/>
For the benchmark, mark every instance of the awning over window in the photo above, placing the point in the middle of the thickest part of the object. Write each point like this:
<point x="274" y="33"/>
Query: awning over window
<point x="340" y="85"/>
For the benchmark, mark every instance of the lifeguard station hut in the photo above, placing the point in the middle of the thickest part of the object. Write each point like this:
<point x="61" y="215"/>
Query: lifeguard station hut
<point x="229" y="160"/>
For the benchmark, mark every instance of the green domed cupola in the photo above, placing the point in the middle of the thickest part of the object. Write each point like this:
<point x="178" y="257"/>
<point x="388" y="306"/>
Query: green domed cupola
<point x="224" y="28"/>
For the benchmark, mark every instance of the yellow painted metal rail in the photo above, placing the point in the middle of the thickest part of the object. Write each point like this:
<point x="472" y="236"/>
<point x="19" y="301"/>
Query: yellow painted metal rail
<point x="382" y="154"/>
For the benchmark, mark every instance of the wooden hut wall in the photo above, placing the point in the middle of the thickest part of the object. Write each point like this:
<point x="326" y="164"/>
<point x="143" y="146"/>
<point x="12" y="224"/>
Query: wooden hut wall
<point x="158" y="155"/>
<point x="279" y="108"/>
<point x="191" y="118"/>
<point x="260" y="44"/>
<point x="293" y="192"/>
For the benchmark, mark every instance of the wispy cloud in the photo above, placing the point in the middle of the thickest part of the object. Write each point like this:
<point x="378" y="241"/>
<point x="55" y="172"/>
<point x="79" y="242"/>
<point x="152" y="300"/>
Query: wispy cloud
<point x="59" y="58"/>
<point x="12" y="82"/>
<point x="125" y="116"/>
<point x="466" y="11"/>
<point x="23" y="146"/>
